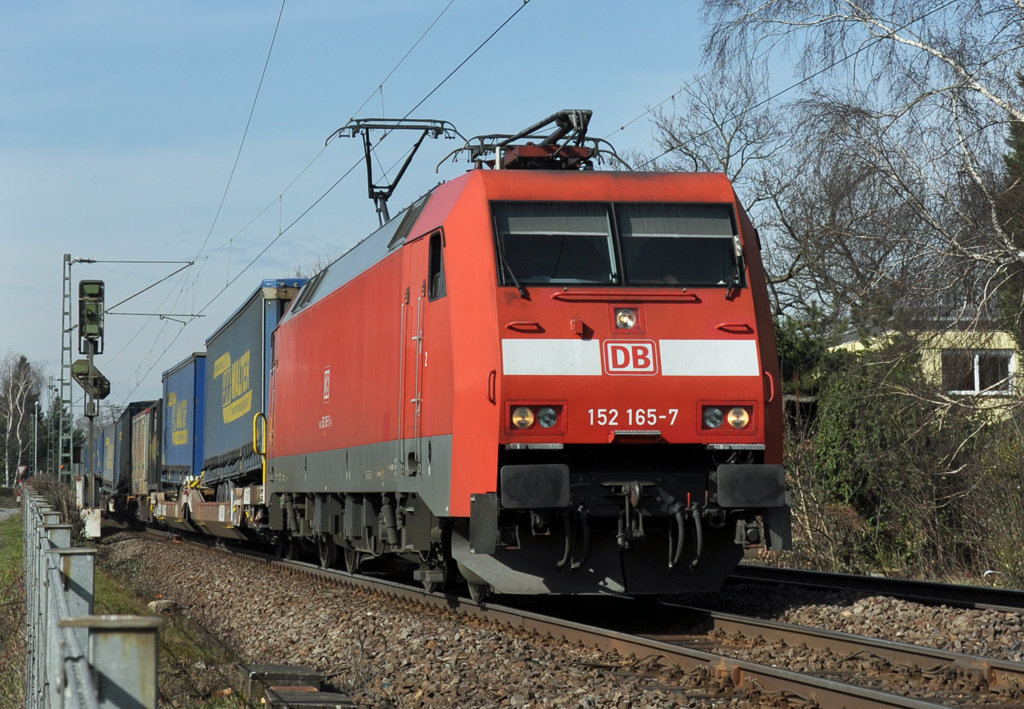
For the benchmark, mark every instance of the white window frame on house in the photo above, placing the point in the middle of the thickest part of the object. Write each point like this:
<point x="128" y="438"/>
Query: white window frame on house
<point x="1006" y="386"/>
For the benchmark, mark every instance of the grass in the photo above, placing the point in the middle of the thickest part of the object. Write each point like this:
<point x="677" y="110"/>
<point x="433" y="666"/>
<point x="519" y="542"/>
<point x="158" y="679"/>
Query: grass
<point x="193" y="665"/>
<point x="12" y="614"/>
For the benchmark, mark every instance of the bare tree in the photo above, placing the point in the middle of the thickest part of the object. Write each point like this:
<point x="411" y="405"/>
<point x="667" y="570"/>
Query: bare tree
<point x="723" y="122"/>
<point x="21" y="381"/>
<point x="912" y="99"/>
<point x="725" y="126"/>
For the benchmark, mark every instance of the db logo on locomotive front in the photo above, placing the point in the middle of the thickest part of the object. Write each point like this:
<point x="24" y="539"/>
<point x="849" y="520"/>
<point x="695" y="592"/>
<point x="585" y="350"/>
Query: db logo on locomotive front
<point x="630" y="357"/>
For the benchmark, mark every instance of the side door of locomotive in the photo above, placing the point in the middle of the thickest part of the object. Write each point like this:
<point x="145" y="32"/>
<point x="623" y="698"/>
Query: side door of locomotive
<point x="426" y="358"/>
<point x="414" y="297"/>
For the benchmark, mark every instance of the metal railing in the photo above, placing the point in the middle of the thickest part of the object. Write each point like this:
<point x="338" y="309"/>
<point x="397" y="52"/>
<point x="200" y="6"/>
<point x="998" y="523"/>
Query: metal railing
<point x="75" y="658"/>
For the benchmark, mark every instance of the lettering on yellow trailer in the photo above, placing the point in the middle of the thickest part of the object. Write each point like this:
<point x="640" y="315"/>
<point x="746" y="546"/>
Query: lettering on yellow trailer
<point x="236" y="394"/>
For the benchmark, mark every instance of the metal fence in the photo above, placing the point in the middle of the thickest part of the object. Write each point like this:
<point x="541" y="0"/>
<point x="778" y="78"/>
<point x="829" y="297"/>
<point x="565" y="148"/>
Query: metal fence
<point x="75" y="658"/>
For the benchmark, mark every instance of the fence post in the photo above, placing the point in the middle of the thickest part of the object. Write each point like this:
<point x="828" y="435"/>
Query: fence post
<point x="77" y="569"/>
<point x="123" y="654"/>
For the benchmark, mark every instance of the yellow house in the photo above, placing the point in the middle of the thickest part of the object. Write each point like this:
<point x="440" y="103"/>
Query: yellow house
<point x="967" y="362"/>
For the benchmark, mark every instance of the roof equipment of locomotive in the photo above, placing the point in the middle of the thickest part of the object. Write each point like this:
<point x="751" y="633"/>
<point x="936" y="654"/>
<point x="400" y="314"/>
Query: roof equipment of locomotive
<point x="576" y="152"/>
<point x="380" y="194"/>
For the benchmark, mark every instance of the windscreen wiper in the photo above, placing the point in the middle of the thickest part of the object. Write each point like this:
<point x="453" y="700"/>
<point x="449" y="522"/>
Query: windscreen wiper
<point x="504" y="263"/>
<point x="737" y="275"/>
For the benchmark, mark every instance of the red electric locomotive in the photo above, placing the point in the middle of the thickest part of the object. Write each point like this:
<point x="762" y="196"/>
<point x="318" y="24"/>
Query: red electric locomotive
<point x="547" y="380"/>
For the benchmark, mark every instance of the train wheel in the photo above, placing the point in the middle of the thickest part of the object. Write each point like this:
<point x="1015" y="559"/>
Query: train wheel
<point x="328" y="552"/>
<point x="479" y="592"/>
<point x="352" y="560"/>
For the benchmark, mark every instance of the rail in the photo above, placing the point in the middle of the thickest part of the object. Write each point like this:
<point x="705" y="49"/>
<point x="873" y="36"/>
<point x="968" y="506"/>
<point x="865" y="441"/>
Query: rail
<point x="74" y="659"/>
<point x="997" y="674"/>
<point x="927" y="592"/>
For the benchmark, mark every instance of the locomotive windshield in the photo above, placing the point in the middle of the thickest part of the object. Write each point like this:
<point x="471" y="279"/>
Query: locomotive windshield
<point x="556" y="242"/>
<point x="693" y="245"/>
<point x="677" y="244"/>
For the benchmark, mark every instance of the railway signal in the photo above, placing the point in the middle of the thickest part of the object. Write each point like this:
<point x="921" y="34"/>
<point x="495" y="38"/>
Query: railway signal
<point x="90" y="343"/>
<point x="90" y="317"/>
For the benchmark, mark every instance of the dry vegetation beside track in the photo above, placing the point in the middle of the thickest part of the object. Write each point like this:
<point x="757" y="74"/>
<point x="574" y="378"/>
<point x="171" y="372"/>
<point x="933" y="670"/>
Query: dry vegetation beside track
<point x="8" y="497"/>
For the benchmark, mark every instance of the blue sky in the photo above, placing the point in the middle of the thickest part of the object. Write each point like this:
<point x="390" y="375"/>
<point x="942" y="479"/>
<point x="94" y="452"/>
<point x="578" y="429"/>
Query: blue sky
<point x="120" y="122"/>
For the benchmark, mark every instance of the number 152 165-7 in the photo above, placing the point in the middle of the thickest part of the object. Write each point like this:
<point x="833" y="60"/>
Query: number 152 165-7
<point x="633" y="417"/>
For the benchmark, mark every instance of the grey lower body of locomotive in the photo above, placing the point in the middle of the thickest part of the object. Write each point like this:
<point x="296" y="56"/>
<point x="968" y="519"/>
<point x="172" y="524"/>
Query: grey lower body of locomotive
<point x="547" y="530"/>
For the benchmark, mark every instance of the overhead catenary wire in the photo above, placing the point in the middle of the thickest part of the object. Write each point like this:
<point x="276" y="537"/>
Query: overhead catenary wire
<point x="373" y="149"/>
<point x="281" y="232"/>
<point x="151" y="285"/>
<point x="671" y="97"/>
<point x="320" y="152"/>
<point x="380" y="86"/>
<point x="245" y="132"/>
<point x="227" y="186"/>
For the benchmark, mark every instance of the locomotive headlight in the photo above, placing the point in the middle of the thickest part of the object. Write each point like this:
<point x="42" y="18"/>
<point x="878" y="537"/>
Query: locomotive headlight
<point x="713" y="417"/>
<point x="625" y="318"/>
<point x="522" y="417"/>
<point x="547" y="417"/>
<point x="738" y="417"/>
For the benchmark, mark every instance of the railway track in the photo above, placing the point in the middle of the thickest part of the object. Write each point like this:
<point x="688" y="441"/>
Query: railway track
<point x="942" y="676"/>
<point x="698" y="653"/>
<point x="954" y="595"/>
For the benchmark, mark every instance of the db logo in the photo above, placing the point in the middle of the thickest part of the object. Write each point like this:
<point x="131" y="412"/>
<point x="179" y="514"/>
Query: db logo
<point x="630" y="357"/>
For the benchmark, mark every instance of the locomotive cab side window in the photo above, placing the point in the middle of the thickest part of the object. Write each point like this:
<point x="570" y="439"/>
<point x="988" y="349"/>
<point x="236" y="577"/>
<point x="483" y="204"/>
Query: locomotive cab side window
<point x="435" y="276"/>
<point x="679" y="244"/>
<point x="545" y="243"/>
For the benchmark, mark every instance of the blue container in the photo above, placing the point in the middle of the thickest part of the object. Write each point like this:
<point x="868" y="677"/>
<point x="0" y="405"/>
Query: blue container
<point x="183" y="420"/>
<point x="122" y="463"/>
<point x="107" y="460"/>
<point x="238" y="377"/>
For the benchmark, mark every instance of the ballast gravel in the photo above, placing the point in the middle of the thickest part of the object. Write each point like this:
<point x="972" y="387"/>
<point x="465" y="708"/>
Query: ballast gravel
<point x="385" y="652"/>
